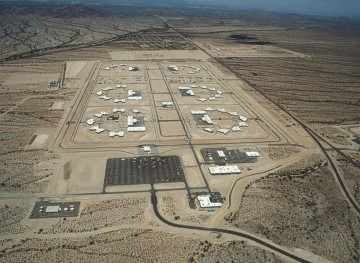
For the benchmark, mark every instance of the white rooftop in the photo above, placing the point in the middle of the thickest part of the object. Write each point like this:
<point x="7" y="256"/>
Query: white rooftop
<point x="198" y="112"/>
<point x="233" y="169"/>
<point x="242" y="118"/>
<point x="209" y="109"/>
<point x="236" y="129"/>
<point x="104" y="97"/>
<point x="252" y="154"/>
<point x="136" y="129"/>
<point x="243" y="124"/>
<point x="224" y="131"/>
<point x="205" y="202"/>
<point x="120" y="134"/>
<point x="52" y="209"/>
<point x="183" y="88"/>
<point x="90" y="121"/>
<point x="221" y="154"/>
<point x="131" y="120"/>
<point x="107" y="88"/>
<point x="147" y="149"/>
<point x="206" y="118"/>
<point x="118" y="110"/>
<point x="190" y="92"/>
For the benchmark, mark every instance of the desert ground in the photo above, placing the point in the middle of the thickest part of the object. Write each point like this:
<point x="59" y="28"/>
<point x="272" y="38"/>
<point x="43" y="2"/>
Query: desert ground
<point x="293" y="78"/>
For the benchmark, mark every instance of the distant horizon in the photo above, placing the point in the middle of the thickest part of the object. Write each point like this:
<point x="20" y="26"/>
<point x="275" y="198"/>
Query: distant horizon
<point x="328" y="8"/>
<point x="321" y="8"/>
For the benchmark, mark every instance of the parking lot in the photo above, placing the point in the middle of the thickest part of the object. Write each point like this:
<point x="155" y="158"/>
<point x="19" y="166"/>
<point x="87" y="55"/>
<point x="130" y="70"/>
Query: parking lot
<point x="143" y="170"/>
<point x="231" y="156"/>
<point x="44" y="209"/>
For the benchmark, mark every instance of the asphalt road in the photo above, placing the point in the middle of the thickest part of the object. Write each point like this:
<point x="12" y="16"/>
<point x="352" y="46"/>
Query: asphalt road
<point x="154" y="202"/>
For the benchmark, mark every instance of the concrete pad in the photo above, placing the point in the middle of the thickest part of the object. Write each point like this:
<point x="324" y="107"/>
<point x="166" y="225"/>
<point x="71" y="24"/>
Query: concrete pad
<point x="127" y="188"/>
<point x="169" y="186"/>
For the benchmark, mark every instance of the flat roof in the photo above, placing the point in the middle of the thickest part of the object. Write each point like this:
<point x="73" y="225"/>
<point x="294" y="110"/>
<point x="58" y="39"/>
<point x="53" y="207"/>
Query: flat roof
<point x="205" y="202"/>
<point x="198" y="112"/>
<point x="252" y="154"/>
<point x="52" y="209"/>
<point x="231" y="169"/>
<point x="221" y="153"/>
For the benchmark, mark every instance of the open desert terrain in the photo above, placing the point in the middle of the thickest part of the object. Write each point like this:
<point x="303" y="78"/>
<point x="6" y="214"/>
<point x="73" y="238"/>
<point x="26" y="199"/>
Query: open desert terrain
<point x="168" y="134"/>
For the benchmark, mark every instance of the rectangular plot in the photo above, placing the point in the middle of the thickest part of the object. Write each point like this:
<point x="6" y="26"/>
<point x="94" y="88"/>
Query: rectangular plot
<point x="143" y="170"/>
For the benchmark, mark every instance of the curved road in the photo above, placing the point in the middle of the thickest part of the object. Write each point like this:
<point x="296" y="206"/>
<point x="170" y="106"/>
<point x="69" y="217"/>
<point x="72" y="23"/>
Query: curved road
<point x="154" y="202"/>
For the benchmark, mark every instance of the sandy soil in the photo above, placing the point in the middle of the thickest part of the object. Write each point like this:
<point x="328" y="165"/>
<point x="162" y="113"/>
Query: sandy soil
<point x="308" y="190"/>
<point x="299" y="206"/>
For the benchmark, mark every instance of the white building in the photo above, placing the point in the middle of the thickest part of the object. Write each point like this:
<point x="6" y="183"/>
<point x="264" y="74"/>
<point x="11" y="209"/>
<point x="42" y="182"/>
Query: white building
<point x="224" y="131"/>
<point x="221" y="154"/>
<point x="231" y="169"/>
<point x="133" y="95"/>
<point x="190" y="92"/>
<point x="107" y="88"/>
<point x="97" y="129"/>
<point x="198" y="112"/>
<point x="222" y="110"/>
<point x="243" y="124"/>
<point x="133" y="69"/>
<point x="90" y="121"/>
<point x="115" y="110"/>
<point x="52" y="209"/>
<point x="120" y="134"/>
<point x="243" y="118"/>
<point x="207" y="119"/>
<point x="104" y="97"/>
<point x="205" y="202"/>
<point x="208" y="109"/>
<point x="131" y="122"/>
<point x="236" y="129"/>
<point x="252" y="154"/>
<point x="147" y="149"/>
<point x="99" y="115"/>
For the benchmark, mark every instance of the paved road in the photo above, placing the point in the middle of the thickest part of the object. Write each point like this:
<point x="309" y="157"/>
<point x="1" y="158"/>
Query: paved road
<point x="154" y="202"/>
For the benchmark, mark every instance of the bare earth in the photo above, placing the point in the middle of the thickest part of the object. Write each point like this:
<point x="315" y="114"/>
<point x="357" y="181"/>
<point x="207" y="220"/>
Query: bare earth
<point x="288" y="198"/>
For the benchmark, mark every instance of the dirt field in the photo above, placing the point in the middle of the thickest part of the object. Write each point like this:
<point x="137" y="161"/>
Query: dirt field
<point x="308" y="190"/>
